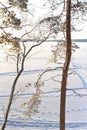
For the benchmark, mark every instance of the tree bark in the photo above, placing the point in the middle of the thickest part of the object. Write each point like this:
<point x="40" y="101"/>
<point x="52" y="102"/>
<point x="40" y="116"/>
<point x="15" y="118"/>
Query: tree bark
<point x="66" y="65"/>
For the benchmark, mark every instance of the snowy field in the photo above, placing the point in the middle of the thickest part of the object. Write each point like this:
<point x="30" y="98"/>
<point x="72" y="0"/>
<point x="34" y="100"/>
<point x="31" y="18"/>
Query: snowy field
<point x="47" y="117"/>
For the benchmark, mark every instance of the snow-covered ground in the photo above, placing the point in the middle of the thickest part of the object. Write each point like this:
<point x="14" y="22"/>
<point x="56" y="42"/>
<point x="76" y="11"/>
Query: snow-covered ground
<point x="47" y="117"/>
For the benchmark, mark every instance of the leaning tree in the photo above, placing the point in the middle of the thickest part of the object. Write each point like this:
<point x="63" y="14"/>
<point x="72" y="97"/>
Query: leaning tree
<point x="13" y="31"/>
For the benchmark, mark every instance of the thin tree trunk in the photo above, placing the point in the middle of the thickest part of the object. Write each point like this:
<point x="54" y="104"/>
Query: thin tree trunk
<point x="19" y="72"/>
<point x="66" y="65"/>
<point x="10" y="100"/>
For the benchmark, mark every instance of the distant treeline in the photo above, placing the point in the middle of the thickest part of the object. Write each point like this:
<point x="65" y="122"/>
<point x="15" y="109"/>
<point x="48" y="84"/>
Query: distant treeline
<point x="53" y="40"/>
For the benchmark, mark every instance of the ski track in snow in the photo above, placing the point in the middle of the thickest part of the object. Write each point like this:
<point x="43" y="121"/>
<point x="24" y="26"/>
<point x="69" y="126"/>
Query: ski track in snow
<point x="44" y="124"/>
<point x="77" y="67"/>
<point x="16" y="123"/>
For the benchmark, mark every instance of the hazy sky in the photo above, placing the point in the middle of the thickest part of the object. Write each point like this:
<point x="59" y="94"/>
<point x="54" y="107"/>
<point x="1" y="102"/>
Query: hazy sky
<point x="40" y="11"/>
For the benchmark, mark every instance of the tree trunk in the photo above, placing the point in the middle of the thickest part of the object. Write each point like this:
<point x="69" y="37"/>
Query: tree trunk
<point x="10" y="100"/>
<point x="66" y="65"/>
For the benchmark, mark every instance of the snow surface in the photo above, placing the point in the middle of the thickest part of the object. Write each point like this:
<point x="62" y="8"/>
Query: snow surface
<point x="47" y="117"/>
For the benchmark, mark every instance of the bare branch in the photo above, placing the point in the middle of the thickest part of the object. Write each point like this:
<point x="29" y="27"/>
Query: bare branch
<point x="74" y="92"/>
<point x="19" y="72"/>
<point x="48" y="70"/>
<point x="28" y="32"/>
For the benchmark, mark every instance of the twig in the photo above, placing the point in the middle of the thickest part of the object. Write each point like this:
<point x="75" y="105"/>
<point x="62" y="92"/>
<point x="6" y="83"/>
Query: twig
<point x="74" y="92"/>
<point x="48" y="70"/>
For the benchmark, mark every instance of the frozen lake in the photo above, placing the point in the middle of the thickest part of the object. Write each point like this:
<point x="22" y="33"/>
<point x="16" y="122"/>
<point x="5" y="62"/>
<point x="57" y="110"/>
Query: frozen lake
<point x="47" y="117"/>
